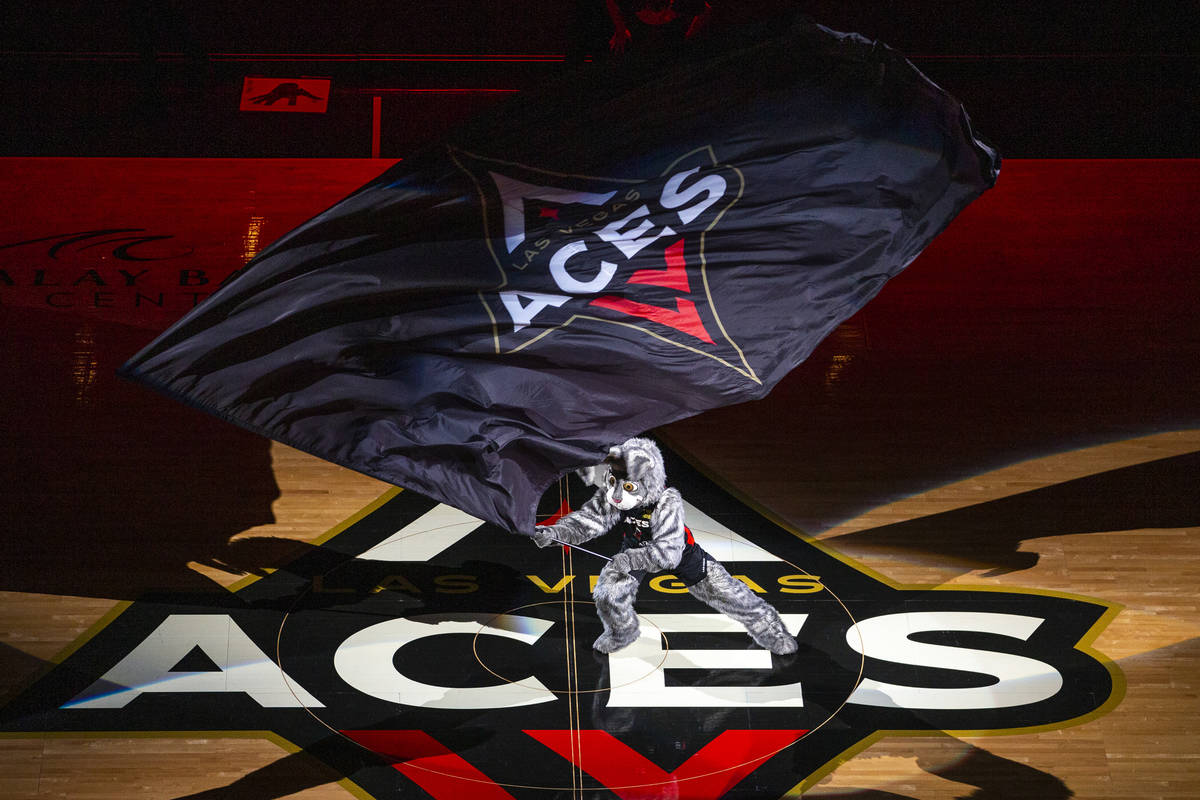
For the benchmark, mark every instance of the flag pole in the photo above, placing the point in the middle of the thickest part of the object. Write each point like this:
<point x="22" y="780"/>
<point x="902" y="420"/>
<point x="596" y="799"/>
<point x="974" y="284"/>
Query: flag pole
<point x="582" y="549"/>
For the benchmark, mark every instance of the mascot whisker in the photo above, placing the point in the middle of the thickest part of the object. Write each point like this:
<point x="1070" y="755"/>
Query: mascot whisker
<point x="634" y="500"/>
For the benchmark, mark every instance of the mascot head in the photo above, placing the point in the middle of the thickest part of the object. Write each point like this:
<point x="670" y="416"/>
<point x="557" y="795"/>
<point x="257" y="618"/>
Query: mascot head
<point x="634" y="474"/>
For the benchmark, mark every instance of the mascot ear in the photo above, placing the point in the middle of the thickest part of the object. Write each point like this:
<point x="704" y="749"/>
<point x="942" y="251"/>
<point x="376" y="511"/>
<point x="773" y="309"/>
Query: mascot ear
<point x="616" y="462"/>
<point x="588" y="475"/>
<point x="597" y="475"/>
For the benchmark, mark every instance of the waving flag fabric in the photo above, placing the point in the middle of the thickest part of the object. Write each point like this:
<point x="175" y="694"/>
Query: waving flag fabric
<point x="632" y="246"/>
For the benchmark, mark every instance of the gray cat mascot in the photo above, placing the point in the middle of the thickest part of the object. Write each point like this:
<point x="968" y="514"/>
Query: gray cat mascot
<point x="634" y="500"/>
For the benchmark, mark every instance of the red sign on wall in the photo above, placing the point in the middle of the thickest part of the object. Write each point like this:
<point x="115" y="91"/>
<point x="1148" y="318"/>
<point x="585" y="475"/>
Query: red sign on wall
<point x="285" y="94"/>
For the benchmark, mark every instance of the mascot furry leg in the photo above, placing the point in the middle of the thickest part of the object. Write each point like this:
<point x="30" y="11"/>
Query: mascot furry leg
<point x="725" y="593"/>
<point x="614" y="597"/>
<point x="634" y="500"/>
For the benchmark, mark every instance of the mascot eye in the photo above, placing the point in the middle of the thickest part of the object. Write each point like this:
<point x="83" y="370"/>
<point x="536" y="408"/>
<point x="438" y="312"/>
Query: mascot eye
<point x="630" y="487"/>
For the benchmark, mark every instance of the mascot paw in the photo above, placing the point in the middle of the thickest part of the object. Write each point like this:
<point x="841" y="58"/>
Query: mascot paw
<point x="783" y="645"/>
<point x="608" y="643"/>
<point x="621" y="563"/>
<point x="542" y="537"/>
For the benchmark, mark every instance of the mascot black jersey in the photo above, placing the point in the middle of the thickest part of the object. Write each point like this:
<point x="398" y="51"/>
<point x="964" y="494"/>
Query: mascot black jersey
<point x="635" y="529"/>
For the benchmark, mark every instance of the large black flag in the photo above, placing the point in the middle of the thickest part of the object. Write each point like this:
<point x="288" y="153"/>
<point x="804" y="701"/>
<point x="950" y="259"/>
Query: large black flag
<point x="644" y="242"/>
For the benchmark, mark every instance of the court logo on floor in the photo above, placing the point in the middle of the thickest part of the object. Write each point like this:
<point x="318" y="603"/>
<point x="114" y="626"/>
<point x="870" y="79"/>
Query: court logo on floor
<point x="423" y="653"/>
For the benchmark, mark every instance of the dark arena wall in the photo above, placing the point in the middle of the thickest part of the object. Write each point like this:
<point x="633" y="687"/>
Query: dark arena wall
<point x="135" y="78"/>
